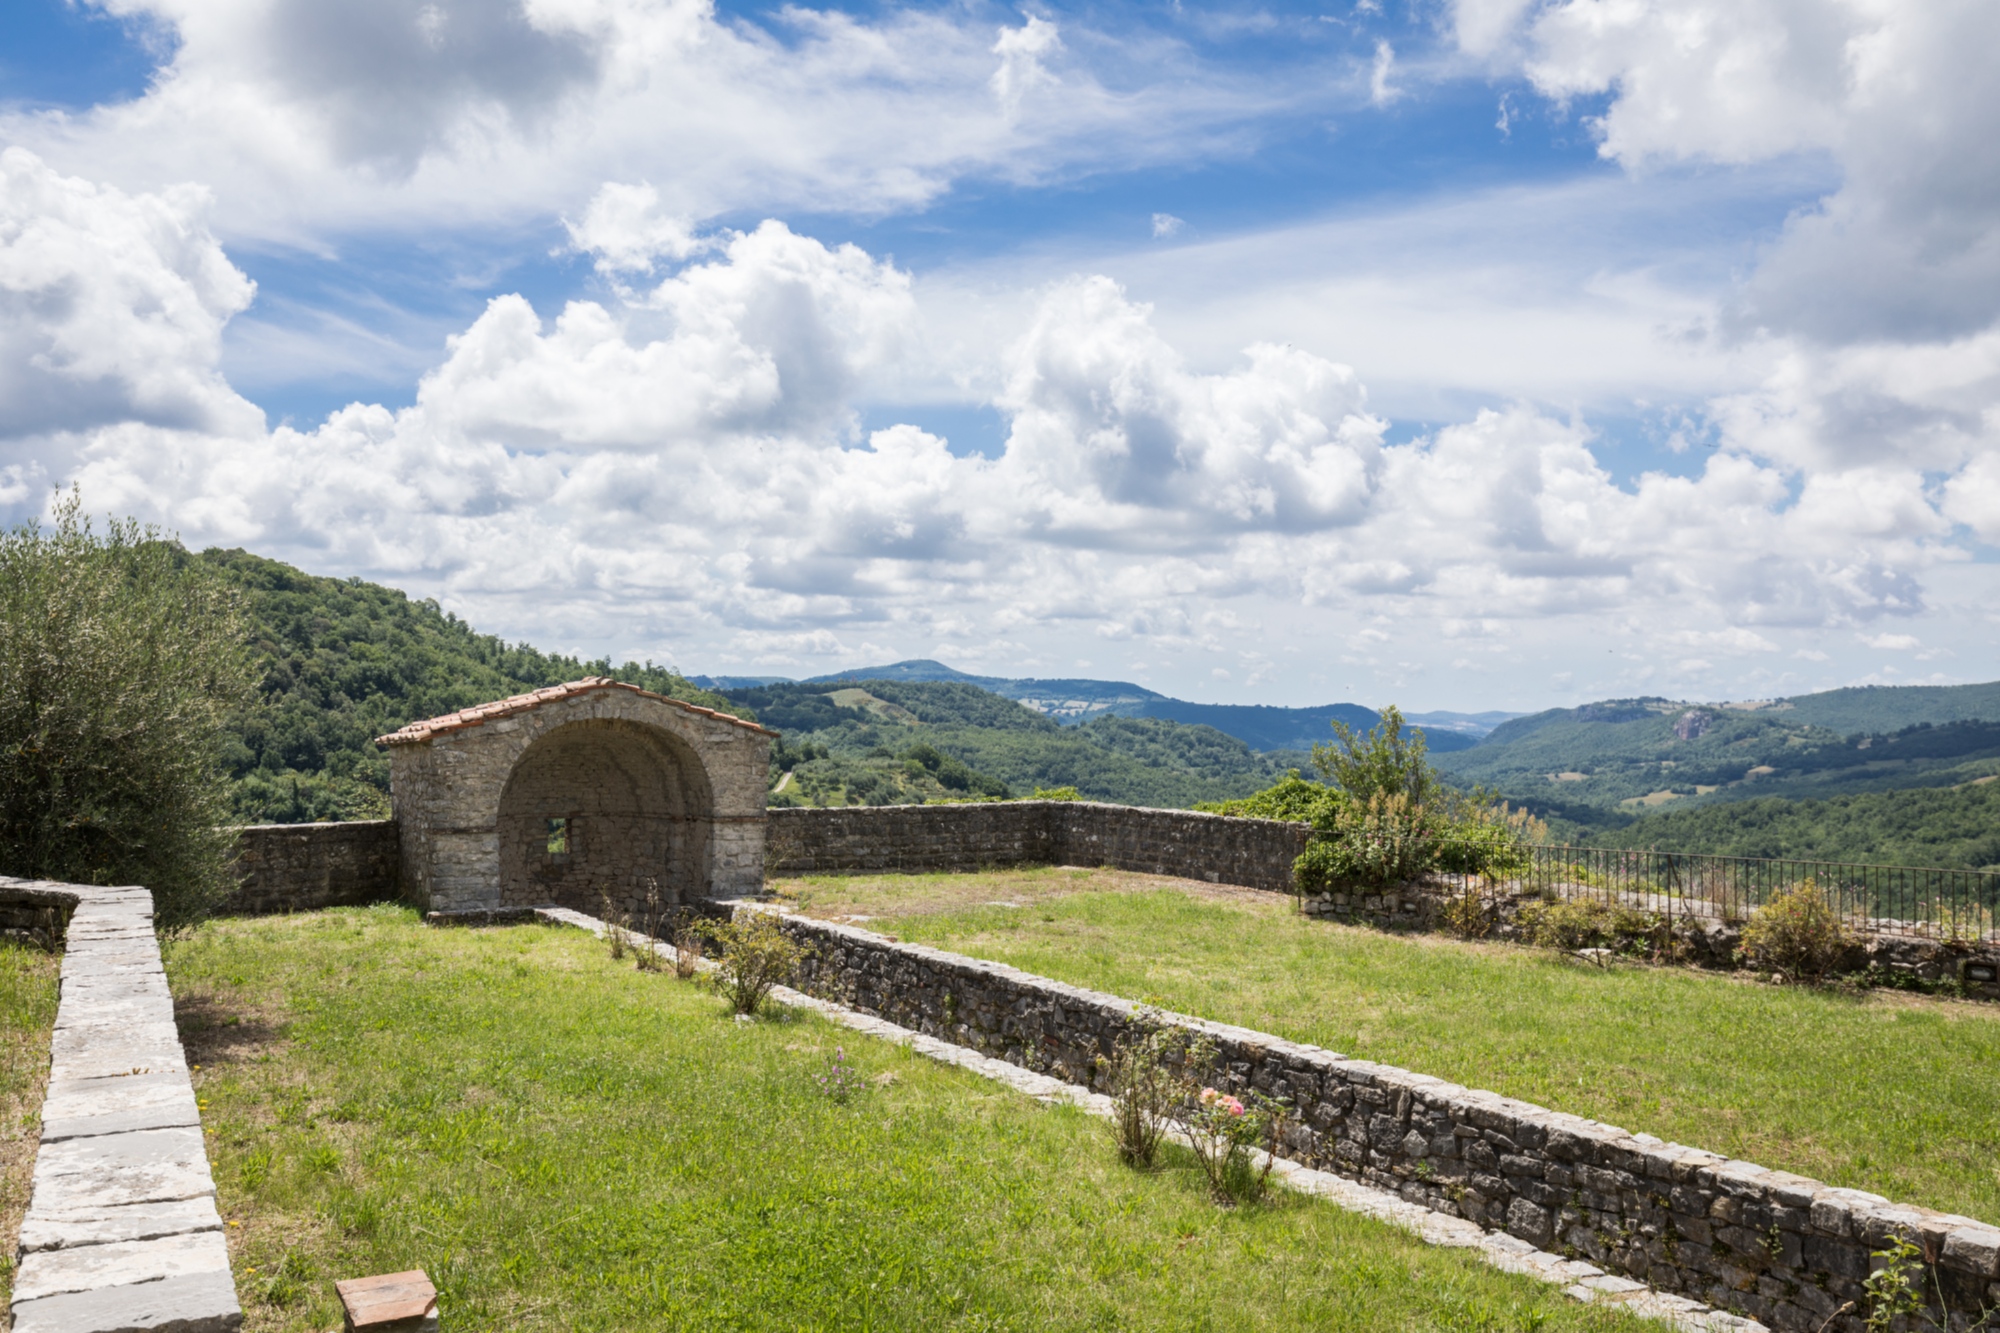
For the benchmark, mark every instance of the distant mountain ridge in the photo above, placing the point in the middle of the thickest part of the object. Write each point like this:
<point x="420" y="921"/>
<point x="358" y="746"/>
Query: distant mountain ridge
<point x="1072" y="701"/>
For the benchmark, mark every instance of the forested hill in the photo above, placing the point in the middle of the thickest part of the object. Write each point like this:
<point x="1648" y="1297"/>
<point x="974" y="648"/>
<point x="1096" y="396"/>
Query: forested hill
<point x="343" y="661"/>
<point x="1951" y="827"/>
<point x="878" y="742"/>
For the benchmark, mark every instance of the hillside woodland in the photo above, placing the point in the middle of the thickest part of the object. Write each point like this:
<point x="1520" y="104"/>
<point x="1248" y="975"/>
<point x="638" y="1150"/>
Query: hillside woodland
<point x="340" y="662"/>
<point x="1881" y="774"/>
<point x="882" y="742"/>
<point x="1951" y="827"/>
<point x="1591" y="765"/>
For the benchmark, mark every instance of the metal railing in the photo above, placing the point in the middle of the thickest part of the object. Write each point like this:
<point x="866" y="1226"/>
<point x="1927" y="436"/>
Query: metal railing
<point x="1901" y="900"/>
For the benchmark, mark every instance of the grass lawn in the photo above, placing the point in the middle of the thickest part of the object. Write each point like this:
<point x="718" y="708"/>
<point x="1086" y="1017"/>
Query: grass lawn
<point x="566" y="1143"/>
<point x="1881" y="1091"/>
<point x="28" y="983"/>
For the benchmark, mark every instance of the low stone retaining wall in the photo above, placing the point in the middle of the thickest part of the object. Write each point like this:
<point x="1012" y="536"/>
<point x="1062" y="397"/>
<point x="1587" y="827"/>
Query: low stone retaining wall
<point x="1704" y="939"/>
<point x="1220" y="849"/>
<point x="122" y="1231"/>
<point x="304" y="867"/>
<point x="1778" y="1247"/>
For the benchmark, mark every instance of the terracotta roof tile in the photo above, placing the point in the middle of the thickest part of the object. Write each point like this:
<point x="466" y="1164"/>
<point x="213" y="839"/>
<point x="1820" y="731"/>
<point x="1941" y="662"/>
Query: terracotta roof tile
<point x="416" y="733"/>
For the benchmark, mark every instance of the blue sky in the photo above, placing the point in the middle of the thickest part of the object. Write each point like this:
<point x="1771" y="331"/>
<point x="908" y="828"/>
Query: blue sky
<point x="1472" y="353"/>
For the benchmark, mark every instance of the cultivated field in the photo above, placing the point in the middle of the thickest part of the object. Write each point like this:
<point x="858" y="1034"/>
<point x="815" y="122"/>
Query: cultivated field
<point x="1879" y="1091"/>
<point x="565" y="1143"/>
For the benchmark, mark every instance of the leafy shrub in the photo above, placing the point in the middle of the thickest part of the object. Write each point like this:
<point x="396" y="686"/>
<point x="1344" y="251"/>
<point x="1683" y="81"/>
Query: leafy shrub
<point x="1383" y="763"/>
<point x="1798" y="933"/>
<point x="757" y="955"/>
<point x="1386" y="841"/>
<point x="1571" y="924"/>
<point x="1056" y="794"/>
<point x="1148" y="1078"/>
<point x="1293" y="798"/>
<point x="121" y="661"/>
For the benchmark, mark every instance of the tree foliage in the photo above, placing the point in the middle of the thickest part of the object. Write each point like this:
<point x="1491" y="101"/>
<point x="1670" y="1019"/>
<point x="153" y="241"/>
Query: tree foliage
<point x="120" y="659"/>
<point x="1385" y="762"/>
<point x="342" y="661"/>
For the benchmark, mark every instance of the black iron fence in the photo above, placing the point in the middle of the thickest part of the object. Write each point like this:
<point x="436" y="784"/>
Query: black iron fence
<point x="1908" y="900"/>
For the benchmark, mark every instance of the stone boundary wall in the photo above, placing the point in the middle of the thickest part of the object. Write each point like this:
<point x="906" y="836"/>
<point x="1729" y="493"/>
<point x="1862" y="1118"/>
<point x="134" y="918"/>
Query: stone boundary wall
<point x="122" y="1231"/>
<point x="304" y="867"/>
<point x="1705" y="940"/>
<point x="1778" y="1247"/>
<point x="1221" y="849"/>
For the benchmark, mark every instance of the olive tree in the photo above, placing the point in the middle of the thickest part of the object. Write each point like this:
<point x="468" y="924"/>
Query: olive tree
<point x="120" y="659"/>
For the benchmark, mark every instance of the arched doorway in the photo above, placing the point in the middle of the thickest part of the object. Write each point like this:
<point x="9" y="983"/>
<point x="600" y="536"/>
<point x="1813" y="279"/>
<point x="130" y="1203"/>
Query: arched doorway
<point x="602" y="810"/>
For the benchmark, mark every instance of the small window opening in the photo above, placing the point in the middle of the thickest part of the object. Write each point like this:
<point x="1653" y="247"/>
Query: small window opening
<point x="558" y="835"/>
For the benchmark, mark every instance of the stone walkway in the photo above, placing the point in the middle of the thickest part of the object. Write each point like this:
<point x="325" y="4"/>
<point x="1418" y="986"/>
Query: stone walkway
<point x="1582" y="1281"/>
<point x="122" y="1231"/>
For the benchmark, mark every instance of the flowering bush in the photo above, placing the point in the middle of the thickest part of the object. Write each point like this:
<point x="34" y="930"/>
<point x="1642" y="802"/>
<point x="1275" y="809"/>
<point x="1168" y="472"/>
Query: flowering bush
<point x="1222" y="1129"/>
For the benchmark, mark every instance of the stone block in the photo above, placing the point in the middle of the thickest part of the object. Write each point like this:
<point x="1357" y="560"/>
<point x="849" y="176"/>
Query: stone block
<point x="1973" y="1249"/>
<point x="1530" y="1222"/>
<point x="50" y="1229"/>
<point x="77" y="1108"/>
<point x="203" y="1302"/>
<point x="146" y="1166"/>
<point x="59" y="1272"/>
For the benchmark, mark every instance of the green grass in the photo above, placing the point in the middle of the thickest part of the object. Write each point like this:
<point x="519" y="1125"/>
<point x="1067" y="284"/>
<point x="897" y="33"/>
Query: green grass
<point x="28" y="992"/>
<point x="1881" y="1091"/>
<point x="566" y="1143"/>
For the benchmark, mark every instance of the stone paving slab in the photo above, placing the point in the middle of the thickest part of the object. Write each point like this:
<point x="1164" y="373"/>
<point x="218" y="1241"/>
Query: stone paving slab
<point x="119" y="1263"/>
<point x="119" y="1012"/>
<point x="198" y="1303"/>
<point x="1578" y="1280"/>
<point x="52" y="1229"/>
<point x="79" y="1108"/>
<point x="145" y="1166"/>
<point x="116" y="1059"/>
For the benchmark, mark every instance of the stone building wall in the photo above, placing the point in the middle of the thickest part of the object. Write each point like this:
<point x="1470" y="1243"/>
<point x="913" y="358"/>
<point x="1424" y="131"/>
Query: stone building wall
<point x="1778" y="1247"/>
<point x="449" y="779"/>
<point x="304" y="867"/>
<point x="1217" y="848"/>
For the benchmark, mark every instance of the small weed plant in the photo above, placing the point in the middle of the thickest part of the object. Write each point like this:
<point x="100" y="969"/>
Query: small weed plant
<point x="653" y="923"/>
<point x="617" y="928"/>
<point x="840" y="1081"/>
<point x="757" y="955"/>
<point x="1892" y="1292"/>
<point x="1799" y="934"/>
<point x="1893" y="1295"/>
<point x="687" y="947"/>
<point x="1148" y="1077"/>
